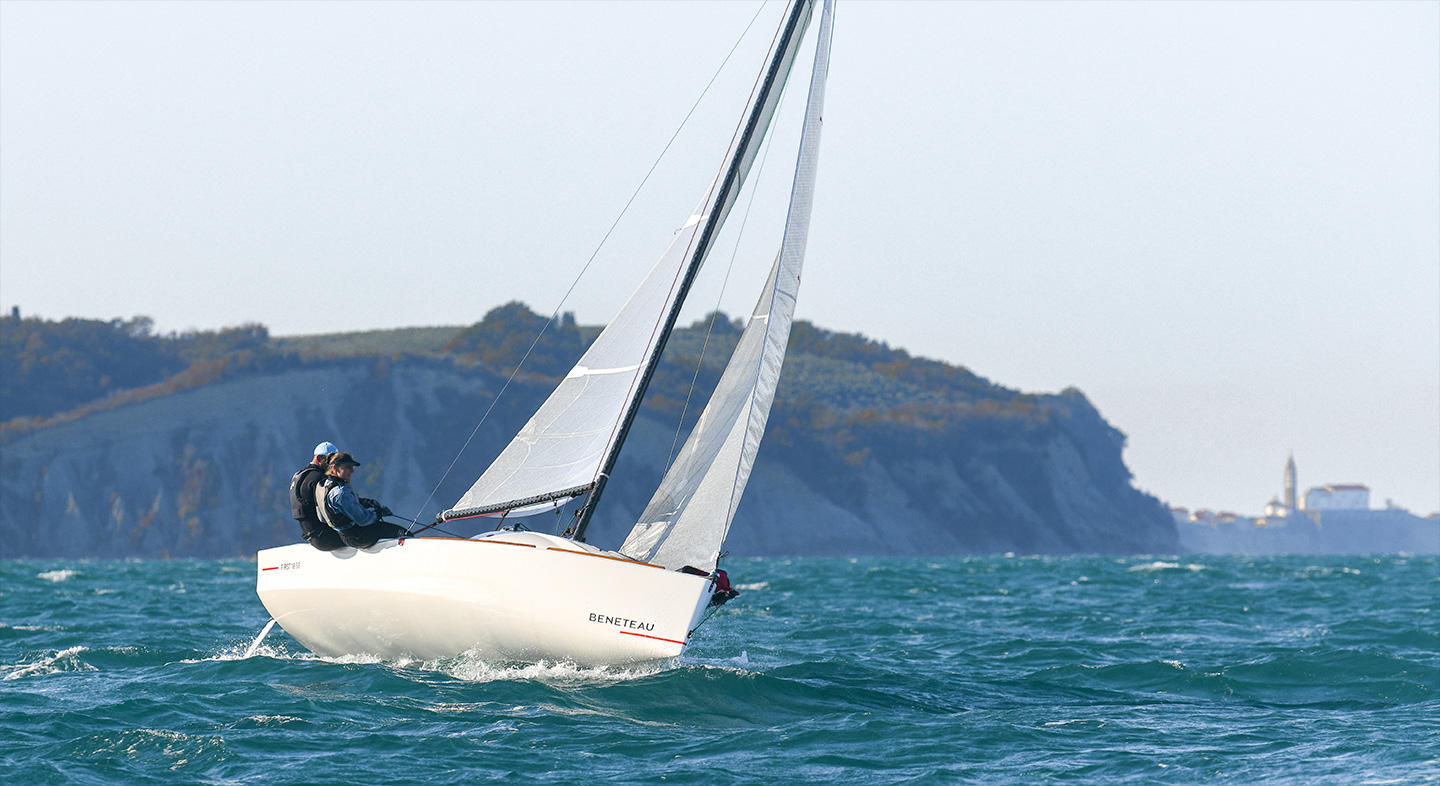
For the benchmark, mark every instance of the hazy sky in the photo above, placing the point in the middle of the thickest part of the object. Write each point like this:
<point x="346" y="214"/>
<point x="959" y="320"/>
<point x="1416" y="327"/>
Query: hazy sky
<point x="1219" y="220"/>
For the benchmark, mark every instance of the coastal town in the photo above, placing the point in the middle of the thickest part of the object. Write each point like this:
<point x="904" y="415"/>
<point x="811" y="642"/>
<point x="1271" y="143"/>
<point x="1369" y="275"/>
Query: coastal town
<point x="1332" y="518"/>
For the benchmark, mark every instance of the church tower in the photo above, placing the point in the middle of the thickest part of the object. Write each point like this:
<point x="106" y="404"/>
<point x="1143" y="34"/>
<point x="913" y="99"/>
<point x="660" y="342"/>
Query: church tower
<point x="1290" y="482"/>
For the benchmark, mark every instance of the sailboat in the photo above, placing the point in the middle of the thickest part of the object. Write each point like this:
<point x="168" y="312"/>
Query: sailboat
<point x="515" y="595"/>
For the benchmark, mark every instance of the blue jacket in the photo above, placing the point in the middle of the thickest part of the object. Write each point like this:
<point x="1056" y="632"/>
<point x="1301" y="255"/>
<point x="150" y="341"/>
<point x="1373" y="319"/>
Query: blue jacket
<point x="342" y="507"/>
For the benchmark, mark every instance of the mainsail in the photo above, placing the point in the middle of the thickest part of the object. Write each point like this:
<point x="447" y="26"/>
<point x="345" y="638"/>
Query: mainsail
<point x="557" y="454"/>
<point x="686" y="521"/>
<point x="570" y="443"/>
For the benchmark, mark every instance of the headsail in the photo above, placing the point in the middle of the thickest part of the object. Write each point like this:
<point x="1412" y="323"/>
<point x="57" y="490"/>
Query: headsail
<point x="686" y="521"/>
<point x="572" y="440"/>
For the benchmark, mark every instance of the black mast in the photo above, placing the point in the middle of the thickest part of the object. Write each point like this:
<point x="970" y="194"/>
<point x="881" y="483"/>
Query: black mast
<point x="798" y="12"/>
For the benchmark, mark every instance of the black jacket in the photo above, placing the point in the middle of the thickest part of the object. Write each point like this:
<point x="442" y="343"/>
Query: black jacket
<point x="302" y="498"/>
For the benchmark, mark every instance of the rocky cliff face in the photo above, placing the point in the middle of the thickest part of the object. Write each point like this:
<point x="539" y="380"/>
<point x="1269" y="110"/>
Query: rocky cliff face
<point x="204" y="472"/>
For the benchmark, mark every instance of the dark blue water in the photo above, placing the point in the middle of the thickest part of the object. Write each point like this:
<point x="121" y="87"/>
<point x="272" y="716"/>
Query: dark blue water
<point x="993" y="669"/>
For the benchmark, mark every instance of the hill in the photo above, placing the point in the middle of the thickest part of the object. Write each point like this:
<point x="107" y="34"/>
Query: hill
<point x="188" y="450"/>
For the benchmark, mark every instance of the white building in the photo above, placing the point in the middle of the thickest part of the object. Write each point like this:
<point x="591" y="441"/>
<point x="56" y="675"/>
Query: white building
<point x="1331" y="519"/>
<point x="1338" y="496"/>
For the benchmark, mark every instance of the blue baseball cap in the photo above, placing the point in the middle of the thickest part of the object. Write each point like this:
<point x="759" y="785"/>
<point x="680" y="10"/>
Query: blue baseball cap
<point x="326" y="448"/>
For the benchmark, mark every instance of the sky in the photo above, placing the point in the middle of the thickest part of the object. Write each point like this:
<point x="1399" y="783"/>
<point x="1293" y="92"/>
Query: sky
<point x="1221" y="221"/>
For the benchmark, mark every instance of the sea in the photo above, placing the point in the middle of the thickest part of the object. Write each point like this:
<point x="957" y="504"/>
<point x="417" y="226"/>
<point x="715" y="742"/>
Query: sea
<point x="993" y="669"/>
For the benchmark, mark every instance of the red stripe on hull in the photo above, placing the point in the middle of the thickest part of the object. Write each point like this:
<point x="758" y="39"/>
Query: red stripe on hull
<point x="657" y="638"/>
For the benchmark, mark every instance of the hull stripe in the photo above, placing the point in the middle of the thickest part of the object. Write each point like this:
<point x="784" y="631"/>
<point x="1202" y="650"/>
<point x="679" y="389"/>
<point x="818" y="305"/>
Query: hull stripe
<point x="606" y="556"/>
<point x="657" y="638"/>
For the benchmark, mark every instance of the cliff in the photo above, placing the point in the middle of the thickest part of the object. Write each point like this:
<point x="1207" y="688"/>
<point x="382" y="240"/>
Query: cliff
<point x="869" y="450"/>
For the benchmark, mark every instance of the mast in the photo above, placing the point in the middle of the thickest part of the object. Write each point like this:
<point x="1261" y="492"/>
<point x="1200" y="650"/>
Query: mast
<point x="758" y="120"/>
<point x="690" y="513"/>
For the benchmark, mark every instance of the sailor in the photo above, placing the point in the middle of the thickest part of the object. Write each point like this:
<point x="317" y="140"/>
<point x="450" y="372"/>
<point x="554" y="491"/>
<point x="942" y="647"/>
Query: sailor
<point x="356" y="521"/>
<point x="302" y="500"/>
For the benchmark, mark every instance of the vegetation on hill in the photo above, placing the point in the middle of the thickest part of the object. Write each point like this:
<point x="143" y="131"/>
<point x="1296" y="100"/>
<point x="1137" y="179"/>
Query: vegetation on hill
<point x="508" y="333"/>
<point x="67" y="368"/>
<point x="50" y="367"/>
<point x="395" y="341"/>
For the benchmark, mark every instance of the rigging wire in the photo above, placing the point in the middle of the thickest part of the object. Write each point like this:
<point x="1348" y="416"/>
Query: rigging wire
<point x="724" y="284"/>
<point x="736" y="139"/>
<point x="584" y="268"/>
<point x="822" y="44"/>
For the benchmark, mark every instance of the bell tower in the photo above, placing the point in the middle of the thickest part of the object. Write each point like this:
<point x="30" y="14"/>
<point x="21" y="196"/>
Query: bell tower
<point x="1290" y="482"/>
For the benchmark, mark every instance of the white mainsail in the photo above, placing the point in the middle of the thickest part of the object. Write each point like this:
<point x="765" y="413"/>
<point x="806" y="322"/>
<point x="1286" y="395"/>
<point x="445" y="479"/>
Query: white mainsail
<point x="561" y="451"/>
<point x="686" y="521"/>
<point x="558" y="452"/>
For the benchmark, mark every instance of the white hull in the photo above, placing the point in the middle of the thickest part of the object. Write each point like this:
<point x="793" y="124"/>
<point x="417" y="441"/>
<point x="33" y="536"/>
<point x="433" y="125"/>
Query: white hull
<point x="503" y="596"/>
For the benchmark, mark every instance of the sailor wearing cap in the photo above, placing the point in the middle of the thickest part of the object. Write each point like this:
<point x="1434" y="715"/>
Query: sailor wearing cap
<point x="357" y="521"/>
<point x="302" y="499"/>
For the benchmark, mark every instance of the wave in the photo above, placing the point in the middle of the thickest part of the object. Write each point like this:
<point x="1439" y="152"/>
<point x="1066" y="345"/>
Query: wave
<point x="1154" y="566"/>
<point x="466" y="667"/>
<point x="1320" y="678"/>
<point x="269" y="720"/>
<point x="58" y="661"/>
<point x="57" y="575"/>
<point x="469" y="667"/>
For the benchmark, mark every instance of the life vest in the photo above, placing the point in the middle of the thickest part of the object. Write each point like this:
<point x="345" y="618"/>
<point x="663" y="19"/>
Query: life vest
<point x="336" y="519"/>
<point x="302" y="493"/>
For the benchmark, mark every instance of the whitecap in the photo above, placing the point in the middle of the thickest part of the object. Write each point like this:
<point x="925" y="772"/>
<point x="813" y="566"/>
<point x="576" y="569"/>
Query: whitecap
<point x="56" y="575"/>
<point x="50" y="664"/>
<point x="758" y="585"/>
<point x="279" y="720"/>
<point x="471" y="668"/>
<point x="739" y="664"/>
<point x="1154" y="566"/>
<point x="132" y="741"/>
<point x="252" y="649"/>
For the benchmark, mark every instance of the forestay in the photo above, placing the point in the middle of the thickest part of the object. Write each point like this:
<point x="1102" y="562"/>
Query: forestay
<point x="686" y="521"/>
<point x="559" y="453"/>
